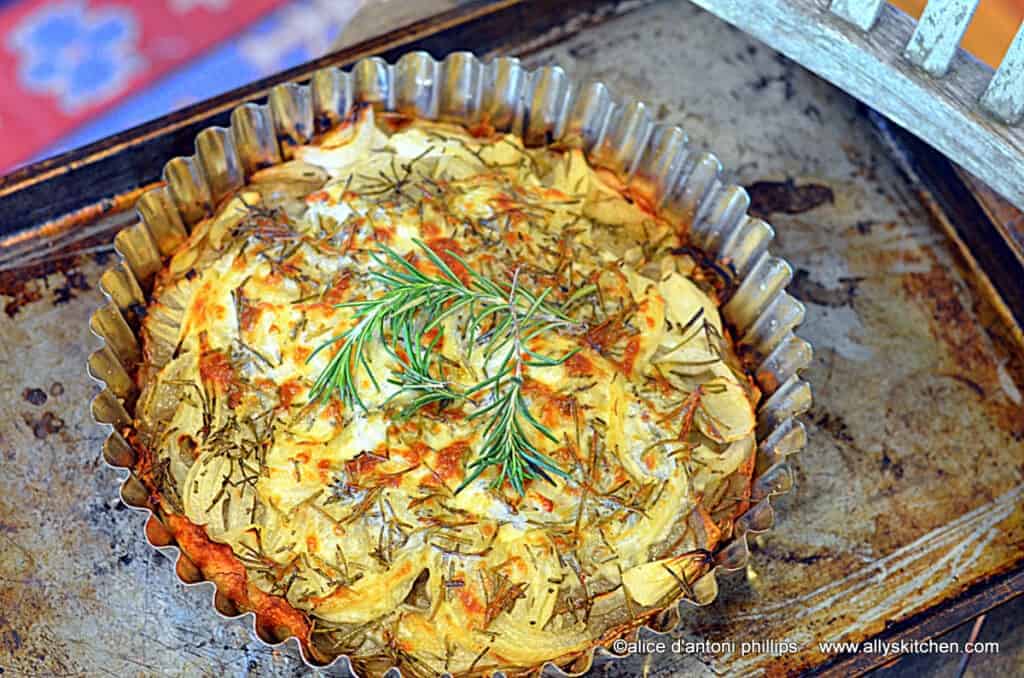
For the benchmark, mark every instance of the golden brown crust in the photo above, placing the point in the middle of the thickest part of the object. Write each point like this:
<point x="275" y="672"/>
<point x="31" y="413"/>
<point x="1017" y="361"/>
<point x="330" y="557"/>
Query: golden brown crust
<point x="219" y="564"/>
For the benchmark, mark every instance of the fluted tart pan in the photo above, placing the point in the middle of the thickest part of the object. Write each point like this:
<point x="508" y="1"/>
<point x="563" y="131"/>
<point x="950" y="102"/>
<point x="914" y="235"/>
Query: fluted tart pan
<point x="542" y="106"/>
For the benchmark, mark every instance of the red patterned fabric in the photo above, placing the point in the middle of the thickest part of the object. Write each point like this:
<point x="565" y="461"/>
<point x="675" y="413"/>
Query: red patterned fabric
<point x="64" y="61"/>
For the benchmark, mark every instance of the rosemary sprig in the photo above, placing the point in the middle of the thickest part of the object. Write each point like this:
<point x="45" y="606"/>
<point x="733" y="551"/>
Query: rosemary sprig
<point x="501" y="319"/>
<point x="507" y="443"/>
<point x="417" y="378"/>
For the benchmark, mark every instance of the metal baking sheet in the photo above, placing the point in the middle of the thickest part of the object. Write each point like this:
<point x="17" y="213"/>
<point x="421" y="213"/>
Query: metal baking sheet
<point x="909" y="492"/>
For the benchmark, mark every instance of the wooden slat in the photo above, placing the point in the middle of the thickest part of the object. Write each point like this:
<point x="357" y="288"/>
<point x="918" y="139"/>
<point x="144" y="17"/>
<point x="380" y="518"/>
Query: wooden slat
<point x="861" y="13"/>
<point x="943" y="112"/>
<point x="1004" y="97"/>
<point x="938" y="34"/>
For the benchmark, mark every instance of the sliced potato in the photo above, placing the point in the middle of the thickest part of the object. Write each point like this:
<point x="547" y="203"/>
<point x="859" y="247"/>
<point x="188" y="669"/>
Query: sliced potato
<point x="714" y="465"/>
<point x="725" y="413"/>
<point x="683" y="300"/>
<point x="650" y="319"/>
<point x="225" y="221"/>
<point x="651" y="583"/>
<point x="217" y="496"/>
<point x="286" y="183"/>
<point x="378" y="593"/>
<point x="345" y="147"/>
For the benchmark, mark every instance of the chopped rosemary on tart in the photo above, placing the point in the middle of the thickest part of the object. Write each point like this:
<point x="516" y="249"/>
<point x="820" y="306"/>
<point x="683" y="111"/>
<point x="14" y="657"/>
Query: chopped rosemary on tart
<point x="429" y="398"/>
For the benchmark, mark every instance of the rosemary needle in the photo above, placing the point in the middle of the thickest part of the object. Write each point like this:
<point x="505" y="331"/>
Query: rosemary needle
<point x="500" y="318"/>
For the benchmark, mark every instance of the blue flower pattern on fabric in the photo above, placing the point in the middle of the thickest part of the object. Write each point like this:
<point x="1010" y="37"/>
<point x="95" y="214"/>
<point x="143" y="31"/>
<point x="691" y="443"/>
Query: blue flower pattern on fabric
<point x="79" y="55"/>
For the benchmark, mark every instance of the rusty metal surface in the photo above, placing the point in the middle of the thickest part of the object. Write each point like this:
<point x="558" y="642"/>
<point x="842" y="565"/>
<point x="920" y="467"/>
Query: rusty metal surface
<point x="910" y="489"/>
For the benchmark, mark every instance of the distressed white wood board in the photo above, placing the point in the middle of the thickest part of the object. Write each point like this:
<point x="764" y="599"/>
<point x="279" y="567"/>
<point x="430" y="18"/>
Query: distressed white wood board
<point x="871" y="67"/>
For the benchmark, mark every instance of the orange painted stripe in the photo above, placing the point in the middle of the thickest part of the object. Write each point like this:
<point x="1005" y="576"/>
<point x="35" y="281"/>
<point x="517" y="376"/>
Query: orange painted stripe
<point x="991" y="31"/>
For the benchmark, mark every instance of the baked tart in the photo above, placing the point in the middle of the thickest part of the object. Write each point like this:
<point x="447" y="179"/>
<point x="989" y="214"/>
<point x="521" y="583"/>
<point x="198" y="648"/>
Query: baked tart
<point x="425" y="396"/>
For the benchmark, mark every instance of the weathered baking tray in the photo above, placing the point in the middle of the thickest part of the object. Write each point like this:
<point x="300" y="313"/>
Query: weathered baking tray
<point x="906" y="516"/>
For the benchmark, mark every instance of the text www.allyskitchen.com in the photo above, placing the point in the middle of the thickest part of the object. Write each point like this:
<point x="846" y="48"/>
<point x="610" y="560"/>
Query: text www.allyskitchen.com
<point x="895" y="647"/>
<point x="778" y="648"/>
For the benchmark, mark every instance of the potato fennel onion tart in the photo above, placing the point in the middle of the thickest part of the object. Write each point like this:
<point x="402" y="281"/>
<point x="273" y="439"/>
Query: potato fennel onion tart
<point x="425" y="397"/>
